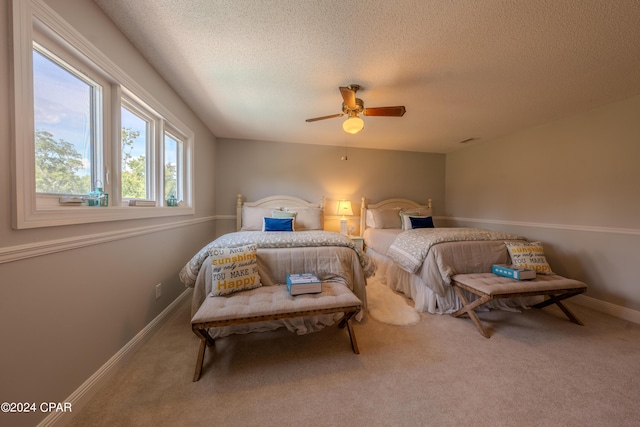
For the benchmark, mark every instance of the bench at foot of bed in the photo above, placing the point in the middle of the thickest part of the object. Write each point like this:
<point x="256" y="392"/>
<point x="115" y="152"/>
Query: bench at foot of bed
<point x="488" y="286"/>
<point x="272" y="303"/>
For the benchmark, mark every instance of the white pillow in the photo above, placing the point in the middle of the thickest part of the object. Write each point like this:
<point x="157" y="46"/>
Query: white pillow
<point x="387" y="218"/>
<point x="371" y="223"/>
<point x="252" y="217"/>
<point x="528" y="255"/>
<point x="308" y="218"/>
<point x="234" y="269"/>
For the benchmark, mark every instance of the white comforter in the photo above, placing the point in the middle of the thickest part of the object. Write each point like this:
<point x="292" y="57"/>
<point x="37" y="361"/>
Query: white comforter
<point x="411" y="247"/>
<point x="277" y="239"/>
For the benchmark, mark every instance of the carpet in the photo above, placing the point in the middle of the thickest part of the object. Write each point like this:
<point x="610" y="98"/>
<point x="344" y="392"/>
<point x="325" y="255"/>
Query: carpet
<point x="388" y="307"/>
<point x="538" y="369"/>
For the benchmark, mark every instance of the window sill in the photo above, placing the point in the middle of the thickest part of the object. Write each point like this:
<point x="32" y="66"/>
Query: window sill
<point x="69" y="215"/>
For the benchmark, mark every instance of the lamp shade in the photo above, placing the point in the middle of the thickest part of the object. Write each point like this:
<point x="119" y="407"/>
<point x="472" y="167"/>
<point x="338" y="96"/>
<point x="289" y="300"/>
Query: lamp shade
<point x="353" y="125"/>
<point x="344" y="208"/>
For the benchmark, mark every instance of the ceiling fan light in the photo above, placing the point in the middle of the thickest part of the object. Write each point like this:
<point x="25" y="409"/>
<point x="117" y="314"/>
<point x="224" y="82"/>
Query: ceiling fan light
<point x="353" y="125"/>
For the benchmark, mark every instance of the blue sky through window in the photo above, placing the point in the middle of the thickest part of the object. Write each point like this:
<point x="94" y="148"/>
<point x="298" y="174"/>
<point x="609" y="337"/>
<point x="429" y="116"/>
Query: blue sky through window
<point x="136" y="124"/>
<point x="62" y="106"/>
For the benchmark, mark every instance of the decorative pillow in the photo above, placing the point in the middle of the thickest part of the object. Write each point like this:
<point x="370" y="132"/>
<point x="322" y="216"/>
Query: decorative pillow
<point x="252" y="217"/>
<point x="283" y="214"/>
<point x="528" y="255"/>
<point x="406" y="213"/>
<point x="386" y="218"/>
<point x="308" y="218"/>
<point x="277" y="224"/>
<point x="421" y="222"/>
<point x="233" y="269"/>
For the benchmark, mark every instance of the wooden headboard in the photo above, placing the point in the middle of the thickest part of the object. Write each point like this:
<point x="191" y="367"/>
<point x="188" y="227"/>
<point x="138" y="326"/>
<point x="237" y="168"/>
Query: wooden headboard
<point x="273" y="202"/>
<point x="395" y="203"/>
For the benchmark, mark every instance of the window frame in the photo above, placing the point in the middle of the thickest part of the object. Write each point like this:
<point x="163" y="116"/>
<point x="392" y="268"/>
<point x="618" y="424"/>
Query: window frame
<point x="31" y="210"/>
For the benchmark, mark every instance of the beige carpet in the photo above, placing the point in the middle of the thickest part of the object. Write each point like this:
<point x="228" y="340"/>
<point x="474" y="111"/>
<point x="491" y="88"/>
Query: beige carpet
<point x="538" y="369"/>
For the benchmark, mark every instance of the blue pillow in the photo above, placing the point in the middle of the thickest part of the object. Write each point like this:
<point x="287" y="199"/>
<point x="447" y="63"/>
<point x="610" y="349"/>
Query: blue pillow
<point x="421" y="222"/>
<point x="277" y="224"/>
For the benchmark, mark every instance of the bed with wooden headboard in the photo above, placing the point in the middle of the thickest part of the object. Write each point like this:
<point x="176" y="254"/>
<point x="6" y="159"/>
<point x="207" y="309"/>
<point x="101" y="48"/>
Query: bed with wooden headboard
<point x="415" y="257"/>
<point x="305" y="248"/>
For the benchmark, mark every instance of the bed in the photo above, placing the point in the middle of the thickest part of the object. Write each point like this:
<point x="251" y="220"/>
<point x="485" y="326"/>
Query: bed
<point x="419" y="263"/>
<point x="305" y="248"/>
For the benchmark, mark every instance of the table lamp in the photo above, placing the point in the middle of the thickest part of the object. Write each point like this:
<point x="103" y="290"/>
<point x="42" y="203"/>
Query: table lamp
<point x="344" y="208"/>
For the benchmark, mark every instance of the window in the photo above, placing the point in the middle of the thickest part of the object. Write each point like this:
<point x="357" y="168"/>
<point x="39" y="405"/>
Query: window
<point x="173" y="147"/>
<point x="70" y="100"/>
<point x="136" y="155"/>
<point x="66" y="106"/>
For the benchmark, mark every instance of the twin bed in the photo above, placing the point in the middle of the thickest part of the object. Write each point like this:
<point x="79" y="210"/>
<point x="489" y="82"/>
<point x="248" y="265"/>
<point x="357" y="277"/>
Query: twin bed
<point x="420" y="262"/>
<point x="307" y="249"/>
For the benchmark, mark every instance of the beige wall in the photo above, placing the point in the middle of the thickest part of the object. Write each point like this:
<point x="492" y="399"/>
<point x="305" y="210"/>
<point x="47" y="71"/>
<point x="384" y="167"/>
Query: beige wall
<point x="258" y="169"/>
<point x="63" y="315"/>
<point x="573" y="184"/>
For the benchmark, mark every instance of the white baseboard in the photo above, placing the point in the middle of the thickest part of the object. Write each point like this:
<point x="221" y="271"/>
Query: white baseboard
<point x="85" y="392"/>
<point x="608" y="308"/>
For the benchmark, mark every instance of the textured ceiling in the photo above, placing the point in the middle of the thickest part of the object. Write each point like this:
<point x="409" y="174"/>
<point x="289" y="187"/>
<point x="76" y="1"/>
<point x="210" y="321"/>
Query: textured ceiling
<point x="463" y="68"/>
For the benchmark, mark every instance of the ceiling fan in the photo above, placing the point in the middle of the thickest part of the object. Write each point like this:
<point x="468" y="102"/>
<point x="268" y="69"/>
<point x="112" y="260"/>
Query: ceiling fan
<point x="353" y="106"/>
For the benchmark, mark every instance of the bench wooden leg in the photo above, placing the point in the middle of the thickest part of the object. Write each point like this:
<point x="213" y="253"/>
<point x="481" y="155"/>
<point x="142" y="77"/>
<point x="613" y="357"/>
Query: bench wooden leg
<point x="205" y="340"/>
<point x="346" y="321"/>
<point x="200" y="360"/>
<point x="468" y="309"/>
<point x="555" y="299"/>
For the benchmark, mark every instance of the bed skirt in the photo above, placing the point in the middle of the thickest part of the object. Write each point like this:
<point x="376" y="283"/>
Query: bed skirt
<point x="425" y="299"/>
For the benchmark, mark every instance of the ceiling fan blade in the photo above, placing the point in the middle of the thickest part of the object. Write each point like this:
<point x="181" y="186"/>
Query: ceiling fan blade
<point x="315" y="119"/>
<point x="385" y="111"/>
<point x="349" y="96"/>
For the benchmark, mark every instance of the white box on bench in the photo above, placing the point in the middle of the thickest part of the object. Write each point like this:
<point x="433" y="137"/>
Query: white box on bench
<point x="305" y="283"/>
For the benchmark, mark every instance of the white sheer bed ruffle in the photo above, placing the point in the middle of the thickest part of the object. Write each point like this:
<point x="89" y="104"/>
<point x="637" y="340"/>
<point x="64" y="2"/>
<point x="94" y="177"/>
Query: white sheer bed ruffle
<point x="299" y="325"/>
<point x="425" y="299"/>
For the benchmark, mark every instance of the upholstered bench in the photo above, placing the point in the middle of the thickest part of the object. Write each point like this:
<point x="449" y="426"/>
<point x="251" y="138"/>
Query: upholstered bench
<point x="272" y="303"/>
<point x="488" y="286"/>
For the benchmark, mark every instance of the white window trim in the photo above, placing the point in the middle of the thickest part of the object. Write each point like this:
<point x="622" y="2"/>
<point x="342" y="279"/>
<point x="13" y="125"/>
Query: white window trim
<point x="26" y="212"/>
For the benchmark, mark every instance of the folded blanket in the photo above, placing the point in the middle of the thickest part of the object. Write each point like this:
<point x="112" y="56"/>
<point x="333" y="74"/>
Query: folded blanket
<point x="274" y="239"/>
<point x="410" y="247"/>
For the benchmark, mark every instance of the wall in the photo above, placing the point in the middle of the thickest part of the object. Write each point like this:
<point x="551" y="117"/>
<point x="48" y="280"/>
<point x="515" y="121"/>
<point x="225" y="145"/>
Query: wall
<point x="573" y="184"/>
<point x="258" y="169"/>
<point x="64" y="314"/>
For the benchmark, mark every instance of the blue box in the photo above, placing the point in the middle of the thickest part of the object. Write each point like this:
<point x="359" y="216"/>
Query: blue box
<point x="513" y="272"/>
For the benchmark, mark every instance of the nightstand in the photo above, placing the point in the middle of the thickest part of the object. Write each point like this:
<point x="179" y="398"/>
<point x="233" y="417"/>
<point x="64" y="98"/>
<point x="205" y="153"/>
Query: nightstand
<point x="358" y="241"/>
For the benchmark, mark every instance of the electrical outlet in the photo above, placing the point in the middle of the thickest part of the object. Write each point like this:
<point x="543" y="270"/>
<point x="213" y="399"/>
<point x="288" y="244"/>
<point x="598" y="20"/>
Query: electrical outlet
<point x="158" y="290"/>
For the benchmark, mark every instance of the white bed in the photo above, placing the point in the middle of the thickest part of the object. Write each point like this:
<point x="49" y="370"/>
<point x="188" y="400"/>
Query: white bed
<point x="429" y="283"/>
<point x="331" y="256"/>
